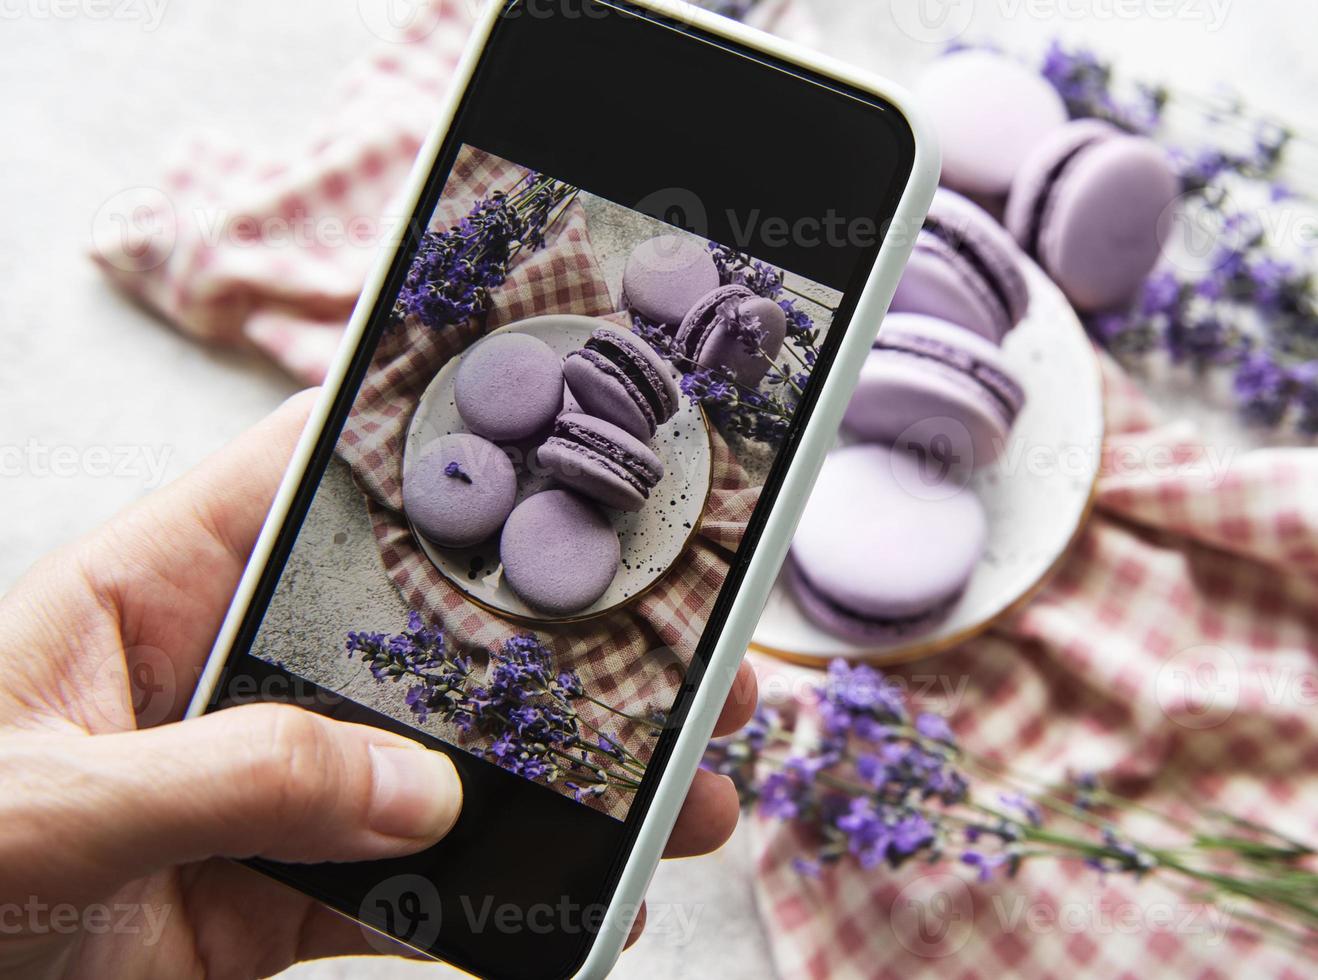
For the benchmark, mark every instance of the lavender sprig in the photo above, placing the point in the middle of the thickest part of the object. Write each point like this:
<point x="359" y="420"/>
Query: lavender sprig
<point x="1252" y="311"/>
<point x="522" y="711"/>
<point x="453" y="272"/>
<point x="880" y="784"/>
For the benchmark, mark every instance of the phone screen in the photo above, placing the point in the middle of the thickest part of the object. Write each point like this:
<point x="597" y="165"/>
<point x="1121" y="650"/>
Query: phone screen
<point x="560" y="436"/>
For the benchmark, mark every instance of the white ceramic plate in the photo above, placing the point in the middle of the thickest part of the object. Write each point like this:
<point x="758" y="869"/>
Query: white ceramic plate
<point x="1037" y="495"/>
<point x="652" y="539"/>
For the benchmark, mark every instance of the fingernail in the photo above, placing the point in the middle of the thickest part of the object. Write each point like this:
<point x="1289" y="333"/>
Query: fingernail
<point x="415" y="794"/>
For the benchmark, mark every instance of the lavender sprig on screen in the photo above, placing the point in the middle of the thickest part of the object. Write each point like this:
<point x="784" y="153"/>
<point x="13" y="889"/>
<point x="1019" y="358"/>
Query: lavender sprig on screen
<point x="454" y="271"/>
<point x="875" y="782"/>
<point x="523" y="710"/>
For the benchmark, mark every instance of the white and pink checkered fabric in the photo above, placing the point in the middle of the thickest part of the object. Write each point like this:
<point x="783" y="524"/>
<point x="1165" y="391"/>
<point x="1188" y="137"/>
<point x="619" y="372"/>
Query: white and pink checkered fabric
<point x="1173" y="653"/>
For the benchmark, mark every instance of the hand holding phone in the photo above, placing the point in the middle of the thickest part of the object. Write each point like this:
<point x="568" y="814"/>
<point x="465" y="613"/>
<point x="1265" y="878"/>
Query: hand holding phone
<point x="140" y="815"/>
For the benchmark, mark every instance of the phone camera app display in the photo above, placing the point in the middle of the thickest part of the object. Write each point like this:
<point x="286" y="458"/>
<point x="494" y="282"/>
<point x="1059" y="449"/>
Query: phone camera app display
<point x="545" y="478"/>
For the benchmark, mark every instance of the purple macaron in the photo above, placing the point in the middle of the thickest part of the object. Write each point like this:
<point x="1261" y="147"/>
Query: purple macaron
<point x="936" y="388"/>
<point x="601" y="461"/>
<point x="964" y="268"/>
<point x="665" y="276"/>
<point x="460" y="490"/>
<point x="989" y="111"/>
<point x="559" y="552"/>
<point x="881" y="553"/>
<point x="509" y="387"/>
<point x="620" y="378"/>
<point x="732" y="328"/>
<point x="1093" y="205"/>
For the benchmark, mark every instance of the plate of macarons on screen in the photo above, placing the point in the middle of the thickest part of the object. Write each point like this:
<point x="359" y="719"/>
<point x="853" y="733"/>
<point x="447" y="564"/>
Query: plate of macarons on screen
<point x="559" y="467"/>
<point x="495" y="428"/>
<point x="970" y="452"/>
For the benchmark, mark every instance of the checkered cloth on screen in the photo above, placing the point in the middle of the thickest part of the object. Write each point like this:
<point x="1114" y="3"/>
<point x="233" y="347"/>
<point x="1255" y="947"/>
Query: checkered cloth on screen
<point x="1196" y="576"/>
<point x="632" y="658"/>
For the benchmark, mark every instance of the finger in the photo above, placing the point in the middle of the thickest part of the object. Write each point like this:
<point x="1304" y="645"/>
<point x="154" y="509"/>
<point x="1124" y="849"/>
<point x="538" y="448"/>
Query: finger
<point x="740" y="705"/>
<point x="638" y="927"/>
<point x="260" y="780"/>
<point x="170" y="565"/>
<point x="707" y="818"/>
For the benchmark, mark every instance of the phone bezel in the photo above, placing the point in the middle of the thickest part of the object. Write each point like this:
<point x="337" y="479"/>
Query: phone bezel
<point x="909" y="199"/>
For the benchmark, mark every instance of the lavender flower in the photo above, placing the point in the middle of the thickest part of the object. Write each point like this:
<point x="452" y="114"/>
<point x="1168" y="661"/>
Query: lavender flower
<point x="1263" y="389"/>
<point x="453" y="272"/>
<point x="523" y="709"/>
<point x="874" y="790"/>
<point x="1085" y="84"/>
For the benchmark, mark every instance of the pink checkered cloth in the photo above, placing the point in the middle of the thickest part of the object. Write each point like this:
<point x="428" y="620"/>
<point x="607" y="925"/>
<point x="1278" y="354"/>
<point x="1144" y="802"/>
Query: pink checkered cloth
<point x="1173" y="654"/>
<point x="633" y="658"/>
<point x="239" y="248"/>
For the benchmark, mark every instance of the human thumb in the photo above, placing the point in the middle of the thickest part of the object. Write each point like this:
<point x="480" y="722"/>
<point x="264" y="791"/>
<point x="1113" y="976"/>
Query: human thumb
<point x="80" y="815"/>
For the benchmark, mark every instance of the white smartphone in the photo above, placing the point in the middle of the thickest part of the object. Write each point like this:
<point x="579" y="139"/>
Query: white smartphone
<point x="560" y="456"/>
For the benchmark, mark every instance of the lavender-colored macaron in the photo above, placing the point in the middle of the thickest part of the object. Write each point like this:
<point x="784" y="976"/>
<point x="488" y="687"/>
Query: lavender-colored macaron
<point x="620" y="378"/>
<point x="964" y="268"/>
<point x="559" y="552"/>
<point x="460" y="490"/>
<point x="509" y="387"/>
<point x="601" y="461"/>
<point x="665" y="276"/>
<point x="938" y="389"/>
<point x="732" y="328"/>
<point x="989" y="111"/>
<point x="1093" y="206"/>
<point x="880" y="552"/>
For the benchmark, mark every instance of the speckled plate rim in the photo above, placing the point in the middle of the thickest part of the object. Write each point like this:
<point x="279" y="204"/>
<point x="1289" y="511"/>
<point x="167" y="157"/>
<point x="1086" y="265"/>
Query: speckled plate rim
<point x="892" y="656"/>
<point x="543" y="621"/>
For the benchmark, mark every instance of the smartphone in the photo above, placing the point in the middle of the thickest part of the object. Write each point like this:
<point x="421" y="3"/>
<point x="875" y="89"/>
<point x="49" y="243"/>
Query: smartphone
<point x="684" y="232"/>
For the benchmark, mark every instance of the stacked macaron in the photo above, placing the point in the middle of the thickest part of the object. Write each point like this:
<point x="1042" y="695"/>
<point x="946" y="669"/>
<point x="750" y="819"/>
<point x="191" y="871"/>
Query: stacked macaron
<point x="673" y="283"/>
<point x="935" y="401"/>
<point x="1091" y="204"/>
<point x="559" y="549"/>
<point x="965" y="268"/>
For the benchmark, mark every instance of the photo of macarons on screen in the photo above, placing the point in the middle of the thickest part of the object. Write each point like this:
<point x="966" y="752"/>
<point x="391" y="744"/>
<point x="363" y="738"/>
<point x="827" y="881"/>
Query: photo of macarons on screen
<point x="544" y="478"/>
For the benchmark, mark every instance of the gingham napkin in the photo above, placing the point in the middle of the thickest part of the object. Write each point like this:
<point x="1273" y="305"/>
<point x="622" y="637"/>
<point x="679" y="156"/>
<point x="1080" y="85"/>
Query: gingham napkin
<point x="237" y="247"/>
<point x="633" y="658"/>
<point x="1195" y="576"/>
